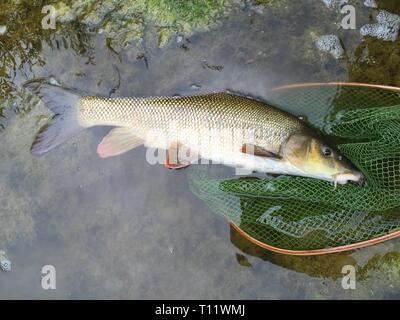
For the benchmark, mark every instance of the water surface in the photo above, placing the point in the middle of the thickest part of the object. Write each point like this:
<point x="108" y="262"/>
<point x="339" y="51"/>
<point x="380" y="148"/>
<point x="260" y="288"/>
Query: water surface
<point x="121" y="228"/>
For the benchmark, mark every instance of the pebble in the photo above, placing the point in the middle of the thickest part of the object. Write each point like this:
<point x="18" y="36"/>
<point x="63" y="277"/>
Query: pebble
<point x="334" y="3"/>
<point x="53" y="81"/>
<point x="258" y="9"/>
<point x="329" y="44"/>
<point x="387" y="28"/>
<point x="3" y="30"/>
<point x="5" y="264"/>
<point x="195" y="86"/>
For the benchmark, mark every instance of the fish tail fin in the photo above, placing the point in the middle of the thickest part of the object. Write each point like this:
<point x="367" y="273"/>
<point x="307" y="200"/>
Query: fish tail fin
<point x="64" y="124"/>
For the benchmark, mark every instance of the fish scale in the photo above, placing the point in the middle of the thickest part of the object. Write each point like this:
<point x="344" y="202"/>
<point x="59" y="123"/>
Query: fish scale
<point x="221" y="114"/>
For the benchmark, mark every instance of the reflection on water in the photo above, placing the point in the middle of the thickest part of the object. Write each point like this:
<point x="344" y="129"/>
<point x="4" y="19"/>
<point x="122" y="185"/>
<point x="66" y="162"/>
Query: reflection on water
<point x="380" y="267"/>
<point x="121" y="228"/>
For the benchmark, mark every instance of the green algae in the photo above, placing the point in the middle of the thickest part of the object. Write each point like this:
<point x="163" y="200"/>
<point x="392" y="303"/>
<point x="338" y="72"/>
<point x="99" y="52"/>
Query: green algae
<point x="382" y="268"/>
<point x="125" y="21"/>
<point x="389" y="5"/>
<point x="264" y="2"/>
<point x="377" y="62"/>
<point x="183" y="15"/>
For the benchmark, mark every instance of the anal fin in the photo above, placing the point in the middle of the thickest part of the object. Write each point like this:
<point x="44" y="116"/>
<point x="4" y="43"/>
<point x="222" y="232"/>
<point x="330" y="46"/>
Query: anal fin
<point x="118" y="141"/>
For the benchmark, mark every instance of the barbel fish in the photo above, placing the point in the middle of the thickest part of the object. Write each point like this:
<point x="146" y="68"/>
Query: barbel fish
<point x="220" y="127"/>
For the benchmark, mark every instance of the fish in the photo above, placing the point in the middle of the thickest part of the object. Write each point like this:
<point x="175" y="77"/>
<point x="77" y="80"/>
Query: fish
<point x="219" y="127"/>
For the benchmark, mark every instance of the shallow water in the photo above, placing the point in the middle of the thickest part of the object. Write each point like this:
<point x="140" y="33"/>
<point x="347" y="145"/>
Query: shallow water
<point x="121" y="228"/>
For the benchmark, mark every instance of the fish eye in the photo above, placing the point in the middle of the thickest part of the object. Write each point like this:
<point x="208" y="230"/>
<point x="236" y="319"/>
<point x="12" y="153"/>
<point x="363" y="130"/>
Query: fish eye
<point x="326" y="151"/>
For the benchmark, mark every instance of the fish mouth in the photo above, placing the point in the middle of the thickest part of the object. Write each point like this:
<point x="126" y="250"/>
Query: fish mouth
<point x="343" y="178"/>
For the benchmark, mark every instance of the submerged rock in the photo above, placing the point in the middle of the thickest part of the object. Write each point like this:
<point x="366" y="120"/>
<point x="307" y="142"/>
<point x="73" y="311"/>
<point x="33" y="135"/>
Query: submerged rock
<point x="179" y="39"/>
<point x="382" y="271"/>
<point x="5" y="264"/>
<point x="123" y="20"/>
<point x="3" y="30"/>
<point x="195" y="86"/>
<point x="329" y="44"/>
<point x="370" y="4"/>
<point x="242" y="260"/>
<point x="387" y="28"/>
<point x="334" y="3"/>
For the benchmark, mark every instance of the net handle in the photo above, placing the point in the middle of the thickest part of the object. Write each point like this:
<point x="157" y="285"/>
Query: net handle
<point x="315" y="252"/>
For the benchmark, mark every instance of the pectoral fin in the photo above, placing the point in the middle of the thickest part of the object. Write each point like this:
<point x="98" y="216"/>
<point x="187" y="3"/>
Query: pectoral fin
<point x="179" y="157"/>
<point x="118" y="141"/>
<point x="250" y="148"/>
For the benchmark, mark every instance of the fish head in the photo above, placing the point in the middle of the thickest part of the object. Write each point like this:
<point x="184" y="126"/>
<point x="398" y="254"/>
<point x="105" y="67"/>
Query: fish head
<point x="312" y="157"/>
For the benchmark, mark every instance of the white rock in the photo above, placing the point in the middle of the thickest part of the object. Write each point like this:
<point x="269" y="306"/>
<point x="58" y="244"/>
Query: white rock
<point x="195" y="86"/>
<point x="387" y="28"/>
<point x="5" y="264"/>
<point x="370" y="4"/>
<point x="3" y="30"/>
<point x="330" y="44"/>
<point x="334" y="3"/>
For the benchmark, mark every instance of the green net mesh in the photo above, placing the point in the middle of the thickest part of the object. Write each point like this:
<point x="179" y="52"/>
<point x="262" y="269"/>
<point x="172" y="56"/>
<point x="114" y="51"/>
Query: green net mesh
<point x="298" y="213"/>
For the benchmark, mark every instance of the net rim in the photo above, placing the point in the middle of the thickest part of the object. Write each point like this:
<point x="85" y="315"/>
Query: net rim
<point x="315" y="252"/>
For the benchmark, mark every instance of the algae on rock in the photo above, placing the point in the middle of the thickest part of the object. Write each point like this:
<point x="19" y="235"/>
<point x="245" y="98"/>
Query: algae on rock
<point x="124" y="21"/>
